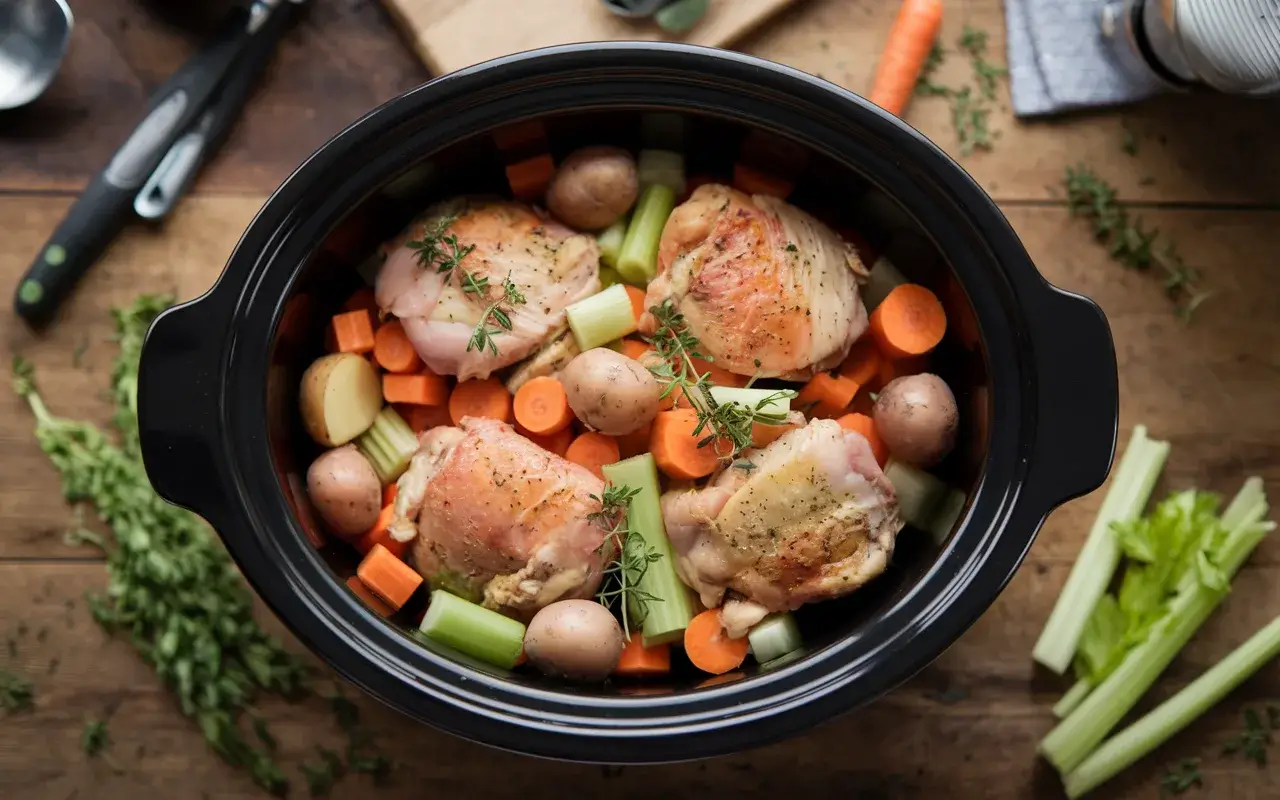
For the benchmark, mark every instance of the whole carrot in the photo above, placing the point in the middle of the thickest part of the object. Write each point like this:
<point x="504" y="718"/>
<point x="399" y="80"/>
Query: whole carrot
<point x="910" y="40"/>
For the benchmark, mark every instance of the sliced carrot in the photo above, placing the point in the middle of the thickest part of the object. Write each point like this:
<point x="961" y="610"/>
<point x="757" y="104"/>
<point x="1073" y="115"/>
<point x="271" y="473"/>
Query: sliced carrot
<point x="863" y="362"/>
<point x="557" y="442"/>
<point x="910" y="39"/>
<point x="635" y="349"/>
<point x="826" y="396"/>
<point x="865" y="425"/>
<point x="635" y="443"/>
<point x="908" y="322"/>
<point x="424" y="418"/>
<point x="636" y="296"/>
<point x="529" y="178"/>
<point x="764" y="435"/>
<point x="358" y="588"/>
<point x="379" y="534"/>
<point x="389" y="493"/>
<point x="637" y="659"/>
<point x="709" y="647"/>
<point x="391" y="580"/>
<point x="363" y="298"/>
<point x="330" y="339"/>
<point x="480" y="398"/>
<point x="891" y="368"/>
<point x="423" y="389"/>
<point x="353" y="331"/>
<point x="593" y="450"/>
<point x="719" y="375"/>
<point x="393" y="350"/>
<point x="675" y="446"/>
<point x="753" y="181"/>
<point x="541" y="406"/>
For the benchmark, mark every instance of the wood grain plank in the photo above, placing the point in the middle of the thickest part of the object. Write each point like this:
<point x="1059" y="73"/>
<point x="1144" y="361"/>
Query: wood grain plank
<point x="1210" y="388"/>
<point x="964" y="727"/>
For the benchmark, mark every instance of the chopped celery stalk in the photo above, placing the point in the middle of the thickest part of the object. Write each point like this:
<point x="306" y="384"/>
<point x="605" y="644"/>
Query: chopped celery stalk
<point x="1130" y="489"/>
<point x="473" y="630"/>
<point x="774" y="636"/>
<point x="919" y="493"/>
<point x="638" y="259"/>
<point x="666" y="617"/>
<point x="1174" y="714"/>
<point x="1073" y="698"/>
<point x="883" y="278"/>
<point x="779" y="401"/>
<point x="946" y="514"/>
<point x="609" y="277"/>
<point x="661" y="168"/>
<point x="388" y="444"/>
<point x="1068" y="744"/>
<point x="601" y="318"/>
<point x="610" y="242"/>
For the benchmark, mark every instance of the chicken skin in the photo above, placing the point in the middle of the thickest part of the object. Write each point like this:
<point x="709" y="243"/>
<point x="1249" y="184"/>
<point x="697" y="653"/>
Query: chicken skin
<point x="766" y="288"/>
<point x="548" y="263"/>
<point x="815" y="519"/>
<point x="496" y="519"/>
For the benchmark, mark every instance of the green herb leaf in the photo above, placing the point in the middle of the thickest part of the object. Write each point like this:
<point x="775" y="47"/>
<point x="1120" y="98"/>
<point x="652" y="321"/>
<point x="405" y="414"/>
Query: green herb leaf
<point x="16" y="693"/>
<point x="95" y="738"/>
<point x="1253" y="741"/>
<point x="1181" y="777"/>
<point x="630" y="557"/>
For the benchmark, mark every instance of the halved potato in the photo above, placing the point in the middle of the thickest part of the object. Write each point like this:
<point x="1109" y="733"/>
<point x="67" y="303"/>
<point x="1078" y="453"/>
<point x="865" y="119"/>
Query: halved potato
<point x="340" y="396"/>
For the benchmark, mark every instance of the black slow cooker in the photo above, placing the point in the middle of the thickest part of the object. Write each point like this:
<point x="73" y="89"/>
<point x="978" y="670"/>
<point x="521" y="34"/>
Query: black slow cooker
<point x="1033" y="367"/>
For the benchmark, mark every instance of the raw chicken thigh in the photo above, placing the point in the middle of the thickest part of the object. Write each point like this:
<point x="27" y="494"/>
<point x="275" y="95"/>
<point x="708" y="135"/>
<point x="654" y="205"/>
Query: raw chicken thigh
<point x="815" y="519"/>
<point x="764" y="287"/>
<point x="550" y="264"/>
<point x="495" y="518"/>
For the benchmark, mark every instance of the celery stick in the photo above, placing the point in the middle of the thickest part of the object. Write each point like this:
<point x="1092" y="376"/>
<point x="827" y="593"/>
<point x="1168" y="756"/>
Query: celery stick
<point x="610" y="242"/>
<point x="1176" y="713"/>
<point x="1130" y="489"/>
<point x="1073" y="698"/>
<point x="779" y="401"/>
<point x="661" y="168"/>
<point x="638" y="259"/>
<point x="609" y="277"/>
<point x="473" y="630"/>
<point x="946" y="514"/>
<point x="388" y="444"/>
<point x="601" y="318"/>
<point x="666" y="617"/>
<point x="919" y="493"/>
<point x="1068" y="744"/>
<point x="773" y="637"/>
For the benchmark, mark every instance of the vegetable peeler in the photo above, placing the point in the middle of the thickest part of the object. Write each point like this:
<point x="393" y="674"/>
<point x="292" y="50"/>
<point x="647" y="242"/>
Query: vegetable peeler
<point x="186" y="119"/>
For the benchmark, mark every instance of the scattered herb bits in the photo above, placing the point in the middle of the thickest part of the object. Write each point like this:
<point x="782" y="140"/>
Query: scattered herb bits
<point x="16" y="693"/>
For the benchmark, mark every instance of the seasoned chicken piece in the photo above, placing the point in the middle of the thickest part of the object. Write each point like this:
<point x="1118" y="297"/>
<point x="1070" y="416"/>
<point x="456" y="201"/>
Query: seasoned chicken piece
<point x="815" y="519"/>
<point x="496" y="519"/>
<point x="765" y="287"/>
<point x="548" y="263"/>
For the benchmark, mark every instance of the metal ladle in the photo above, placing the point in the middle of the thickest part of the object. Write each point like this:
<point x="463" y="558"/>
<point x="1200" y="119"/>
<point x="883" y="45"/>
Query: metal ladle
<point x="33" y="39"/>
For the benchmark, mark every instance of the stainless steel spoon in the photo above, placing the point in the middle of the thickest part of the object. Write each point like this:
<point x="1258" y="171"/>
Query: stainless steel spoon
<point x="33" y="39"/>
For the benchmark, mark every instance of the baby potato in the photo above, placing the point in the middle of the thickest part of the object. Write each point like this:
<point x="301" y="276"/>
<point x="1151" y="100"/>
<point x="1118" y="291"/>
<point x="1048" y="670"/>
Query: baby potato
<point x="339" y="397"/>
<point x="574" y="639"/>
<point x="611" y="393"/>
<point x="345" y="490"/>
<point x="593" y="187"/>
<point x="916" y="417"/>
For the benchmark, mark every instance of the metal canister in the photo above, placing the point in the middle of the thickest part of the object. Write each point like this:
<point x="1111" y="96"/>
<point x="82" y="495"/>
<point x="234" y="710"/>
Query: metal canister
<point x="1232" y="46"/>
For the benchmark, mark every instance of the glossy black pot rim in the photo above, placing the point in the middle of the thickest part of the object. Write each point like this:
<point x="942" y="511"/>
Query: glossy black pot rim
<point x="202" y="404"/>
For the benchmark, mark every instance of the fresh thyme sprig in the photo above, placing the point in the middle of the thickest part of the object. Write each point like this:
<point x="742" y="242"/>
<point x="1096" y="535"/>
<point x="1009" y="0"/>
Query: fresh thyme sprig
<point x="631" y="557"/>
<point x="974" y="42"/>
<point x="1253" y="741"/>
<point x="440" y="250"/>
<point x="727" y="422"/>
<point x="1181" y="777"/>
<point x="1128" y="243"/>
<point x="496" y="312"/>
<point x="925" y="85"/>
<point x="970" y="114"/>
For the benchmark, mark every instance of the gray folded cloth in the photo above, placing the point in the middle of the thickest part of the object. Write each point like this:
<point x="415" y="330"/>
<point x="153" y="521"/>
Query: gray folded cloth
<point x="1058" y="60"/>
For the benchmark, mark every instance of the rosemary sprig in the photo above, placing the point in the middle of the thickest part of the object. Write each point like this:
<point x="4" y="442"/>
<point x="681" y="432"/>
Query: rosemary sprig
<point x="631" y="557"/>
<point x="1181" y="777"/>
<point x="1128" y="242"/>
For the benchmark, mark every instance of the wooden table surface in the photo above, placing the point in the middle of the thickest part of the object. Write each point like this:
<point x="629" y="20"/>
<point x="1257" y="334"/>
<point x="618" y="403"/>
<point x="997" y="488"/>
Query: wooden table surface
<point x="1207" y="173"/>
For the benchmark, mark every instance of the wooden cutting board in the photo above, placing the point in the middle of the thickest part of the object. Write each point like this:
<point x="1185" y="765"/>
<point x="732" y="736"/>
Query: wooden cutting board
<point x="451" y="34"/>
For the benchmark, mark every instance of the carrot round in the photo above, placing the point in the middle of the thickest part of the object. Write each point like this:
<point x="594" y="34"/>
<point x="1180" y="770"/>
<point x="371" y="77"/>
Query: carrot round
<point x="557" y="442"/>
<point x="530" y="178"/>
<point x="763" y="435"/>
<point x="541" y="406"/>
<point x="379" y="535"/>
<point x="424" y="418"/>
<point x="637" y="659"/>
<point x="391" y="580"/>
<point x="709" y="647"/>
<point x="908" y="322"/>
<point x="826" y="396"/>
<point x="910" y="39"/>
<point x="423" y="389"/>
<point x="891" y="368"/>
<point x="593" y="450"/>
<point x="634" y="443"/>
<point x="635" y="349"/>
<point x="636" y="296"/>
<point x="675" y="446"/>
<point x="863" y="362"/>
<point x="865" y="425"/>
<point x="480" y="398"/>
<point x="393" y="350"/>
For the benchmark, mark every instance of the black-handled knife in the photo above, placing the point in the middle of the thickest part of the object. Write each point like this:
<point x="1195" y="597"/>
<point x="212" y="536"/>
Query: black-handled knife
<point x="176" y="109"/>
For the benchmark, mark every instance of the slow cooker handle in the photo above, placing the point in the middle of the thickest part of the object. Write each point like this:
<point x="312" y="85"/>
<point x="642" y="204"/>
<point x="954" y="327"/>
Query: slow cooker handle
<point x="178" y="408"/>
<point x="1077" y="396"/>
